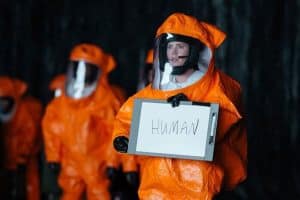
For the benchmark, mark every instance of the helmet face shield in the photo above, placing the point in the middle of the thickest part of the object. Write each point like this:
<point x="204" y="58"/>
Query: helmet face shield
<point x="178" y="59"/>
<point x="7" y="108"/>
<point x="82" y="79"/>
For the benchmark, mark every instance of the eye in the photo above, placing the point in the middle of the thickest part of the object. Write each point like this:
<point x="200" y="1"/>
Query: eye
<point x="170" y="46"/>
<point x="182" y="46"/>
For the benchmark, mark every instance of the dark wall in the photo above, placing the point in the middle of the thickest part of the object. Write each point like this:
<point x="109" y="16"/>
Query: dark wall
<point x="261" y="52"/>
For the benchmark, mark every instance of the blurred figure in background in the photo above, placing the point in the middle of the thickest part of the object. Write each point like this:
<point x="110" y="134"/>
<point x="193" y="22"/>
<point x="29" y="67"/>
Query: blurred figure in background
<point x="50" y="189"/>
<point x="125" y="187"/>
<point x="146" y="71"/>
<point x="20" y="117"/>
<point x="119" y="92"/>
<point x="77" y="126"/>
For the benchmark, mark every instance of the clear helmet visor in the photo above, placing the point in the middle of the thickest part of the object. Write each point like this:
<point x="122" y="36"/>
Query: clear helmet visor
<point x="82" y="79"/>
<point x="7" y="108"/>
<point x="179" y="61"/>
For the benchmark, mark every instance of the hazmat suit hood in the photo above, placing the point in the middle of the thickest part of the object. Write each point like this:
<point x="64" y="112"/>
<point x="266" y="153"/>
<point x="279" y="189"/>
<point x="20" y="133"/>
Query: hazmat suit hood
<point x="201" y="38"/>
<point x="88" y="67"/>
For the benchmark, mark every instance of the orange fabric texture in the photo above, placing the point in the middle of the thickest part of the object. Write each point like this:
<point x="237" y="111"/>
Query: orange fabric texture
<point x="128" y="162"/>
<point x="166" y="178"/>
<point x="22" y="134"/>
<point x="78" y="135"/>
<point x="149" y="58"/>
<point x="32" y="174"/>
<point x="119" y="92"/>
<point x="12" y="87"/>
<point x="95" y="55"/>
<point x="58" y="82"/>
<point x="33" y="179"/>
<point x="186" y="25"/>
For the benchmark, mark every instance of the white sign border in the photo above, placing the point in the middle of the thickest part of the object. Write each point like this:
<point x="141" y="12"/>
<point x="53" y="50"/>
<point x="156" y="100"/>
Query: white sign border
<point x="211" y="132"/>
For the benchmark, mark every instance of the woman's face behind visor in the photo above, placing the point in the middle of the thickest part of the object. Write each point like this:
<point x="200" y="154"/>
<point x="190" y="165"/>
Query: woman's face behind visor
<point x="177" y="53"/>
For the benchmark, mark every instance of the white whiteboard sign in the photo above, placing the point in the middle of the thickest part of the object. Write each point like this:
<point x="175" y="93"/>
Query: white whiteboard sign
<point x="187" y="131"/>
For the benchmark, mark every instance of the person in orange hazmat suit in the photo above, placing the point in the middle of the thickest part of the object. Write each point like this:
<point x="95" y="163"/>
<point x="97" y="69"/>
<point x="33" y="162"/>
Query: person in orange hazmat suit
<point x="146" y="71"/>
<point x="21" y="118"/>
<point x="184" y="68"/>
<point x="128" y="166"/>
<point x="77" y="126"/>
<point x="50" y="188"/>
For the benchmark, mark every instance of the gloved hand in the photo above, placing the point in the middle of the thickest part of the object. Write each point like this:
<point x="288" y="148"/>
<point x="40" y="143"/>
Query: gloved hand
<point x="175" y="100"/>
<point x="132" y="179"/>
<point x="121" y="144"/>
<point x="55" y="191"/>
<point x="54" y="167"/>
<point x="20" y="184"/>
<point x="111" y="174"/>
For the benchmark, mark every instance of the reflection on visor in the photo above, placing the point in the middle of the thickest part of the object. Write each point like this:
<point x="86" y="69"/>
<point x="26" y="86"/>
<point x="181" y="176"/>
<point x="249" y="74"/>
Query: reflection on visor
<point x="82" y="79"/>
<point x="169" y="36"/>
<point x="85" y="72"/>
<point x="166" y="75"/>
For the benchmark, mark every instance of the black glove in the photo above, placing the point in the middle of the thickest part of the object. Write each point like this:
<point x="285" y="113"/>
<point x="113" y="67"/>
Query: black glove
<point x="55" y="191"/>
<point x="121" y="144"/>
<point x="175" y="100"/>
<point x="54" y="167"/>
<point x="20" y="184"/>
<point x="132" y="179"/>
<point x="111" y="174"/>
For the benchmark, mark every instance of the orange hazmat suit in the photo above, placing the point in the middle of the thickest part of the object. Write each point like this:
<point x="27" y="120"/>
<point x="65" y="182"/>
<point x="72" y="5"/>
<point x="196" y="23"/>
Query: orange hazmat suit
<point x="167" y="178"/>
<point x="22" y="134"/>
<point x="78" y="132"/>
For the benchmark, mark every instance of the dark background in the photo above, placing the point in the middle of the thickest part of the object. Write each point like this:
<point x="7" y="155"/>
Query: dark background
<point x="261" y="52"/>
